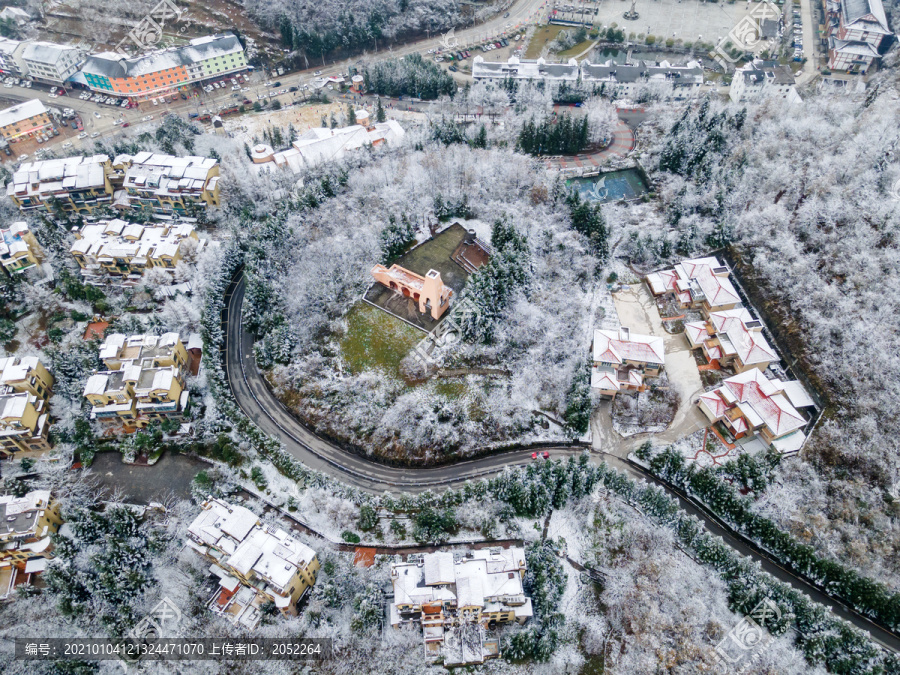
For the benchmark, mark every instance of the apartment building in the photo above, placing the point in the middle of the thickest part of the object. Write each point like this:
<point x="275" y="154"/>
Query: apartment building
<point x="19" y="250"/>
<point x="701" y="284"/>
<point x="25" y="387"/>
<point x="145" y="381"/>
<point x="733" y="338"/>
<point x="26" y="524"/>
<point x="24" y="120"/>
<point x="168" y="186"/>
<point x="454" y="597"/>
<point x="622" y="360"/>
<point x="52" y="63"/>
<point x="165" y="71"/>
<point x="751" y="404"/>
<point x="116" y="249"/>
<point x="71" y="184"/>
<point x="255" y="563"/>
<point x="11" y="62"/>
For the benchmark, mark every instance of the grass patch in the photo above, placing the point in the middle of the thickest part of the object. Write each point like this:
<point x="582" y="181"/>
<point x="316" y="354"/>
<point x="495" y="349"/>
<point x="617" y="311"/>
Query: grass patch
<point x="450" y="389"/>
<point x="543" y="35"/>
<point x="375" y="340"/>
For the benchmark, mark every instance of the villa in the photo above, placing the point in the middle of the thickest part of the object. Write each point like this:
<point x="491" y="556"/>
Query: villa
<point x="701" y="284"/>
<point x="429" y="291"/>
<point x="622" y="360"/>
<point x="733" y="338"/>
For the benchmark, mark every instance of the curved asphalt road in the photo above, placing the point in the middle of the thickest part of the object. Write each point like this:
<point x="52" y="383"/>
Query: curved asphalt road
<point x="258" y="402"/>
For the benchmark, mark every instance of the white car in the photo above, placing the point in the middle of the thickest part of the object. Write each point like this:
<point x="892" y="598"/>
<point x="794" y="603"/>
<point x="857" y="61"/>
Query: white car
<point x="67" y="144"/>
<point x="83" y="134"/>
<point x="53" y="95"/>
<point x="96" y="114"/>
<point x="245" y="88"/>
<point x="215" y="85"/>
<point x="318" y="72"/>
<point x="8" y="86"/>
<point x="146" y="118"/>
<point x="155" y="102"/>
<point x="95" y="134"/>
<point x="235" y="87"/>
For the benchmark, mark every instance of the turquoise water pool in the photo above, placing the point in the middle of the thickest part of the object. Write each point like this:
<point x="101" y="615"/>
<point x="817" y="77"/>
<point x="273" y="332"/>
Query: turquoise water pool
<point x="611" y="186"/>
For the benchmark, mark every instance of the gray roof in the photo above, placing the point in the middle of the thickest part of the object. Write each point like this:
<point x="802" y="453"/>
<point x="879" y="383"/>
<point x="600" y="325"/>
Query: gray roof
<point x="114" y="65"/>
<point x="45" y="52"/>
<point x="854" y="10"/>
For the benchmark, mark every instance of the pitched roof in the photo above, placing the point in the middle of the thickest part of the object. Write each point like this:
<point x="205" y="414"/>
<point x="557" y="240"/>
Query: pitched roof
<point x="21" y="111"/>
<point x="753" y="389"/>
<point x="870" y="11"/>
<point x="617" y="346"/>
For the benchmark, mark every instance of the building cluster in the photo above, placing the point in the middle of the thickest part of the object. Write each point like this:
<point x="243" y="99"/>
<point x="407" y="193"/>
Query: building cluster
<point x="25" y="388"/>
<point x="26" y="524"/>
<point x="456" y="597"/>
<point x="144" y="380"/>
<point x="762" y="79"/>
<point x="160" y="72"/>
<point x="622" y="360"/>
<point x="750" y="403"/>
<point x="116" y="248"/>
<point x="164" y="71"/>
<point x="318" y="145"/>
<point x="857" y="31"/>
<point x="255" y="564"/>
<point x="162" y="185"/>
<point x="620" y="80"/>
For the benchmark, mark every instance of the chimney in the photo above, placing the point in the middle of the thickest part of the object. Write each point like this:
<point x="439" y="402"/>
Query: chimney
<point x="624" y="334"/>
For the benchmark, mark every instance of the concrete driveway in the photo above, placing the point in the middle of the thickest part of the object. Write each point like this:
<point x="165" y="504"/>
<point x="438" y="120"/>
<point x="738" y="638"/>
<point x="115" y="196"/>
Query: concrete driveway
<point x="637" y="310"/>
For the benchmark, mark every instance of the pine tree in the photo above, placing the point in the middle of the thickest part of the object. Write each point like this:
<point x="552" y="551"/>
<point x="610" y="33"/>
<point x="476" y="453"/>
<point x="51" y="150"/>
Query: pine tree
<point x="351" y="115"/>
<point x="379" y="111"/>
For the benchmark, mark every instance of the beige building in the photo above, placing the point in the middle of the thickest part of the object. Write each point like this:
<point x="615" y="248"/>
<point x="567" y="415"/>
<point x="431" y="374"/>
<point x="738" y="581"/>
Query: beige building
<point x="24" y="120"/>
<point x="25" y="374"/>
<point x="751" y="404"/>
<point x="455" y="597"/>
<point x="19" y="250"/>
<point x="145" y="381"/>
<point x="168" y="186"/>
<point x="622" y="359"/>
<point x="701" y="283"/>
<point x="25" y="387"/>
<point x="71" y="184"/>
<point x="256" y="564"/>
<point x="733" y="338"/>
<point x="26" y="524"/>
<point x="429" y="292"/>
<point x="124" y="251"/>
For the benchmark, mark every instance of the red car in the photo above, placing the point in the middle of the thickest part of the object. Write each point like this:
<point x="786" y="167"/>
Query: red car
<point x="125" y="124"/>
<point x="545" y="454"/>
<point x="533" y="455"/>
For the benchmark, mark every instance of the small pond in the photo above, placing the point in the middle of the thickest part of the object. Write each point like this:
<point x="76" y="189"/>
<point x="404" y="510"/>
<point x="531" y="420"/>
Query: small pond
<point x="611" y="186"/>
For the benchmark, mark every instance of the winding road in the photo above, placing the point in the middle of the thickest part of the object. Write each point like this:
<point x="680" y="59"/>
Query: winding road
<point x="258" y="402"/>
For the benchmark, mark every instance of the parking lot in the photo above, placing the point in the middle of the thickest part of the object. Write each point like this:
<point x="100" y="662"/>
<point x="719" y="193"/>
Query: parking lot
<point x="688" y="20"/>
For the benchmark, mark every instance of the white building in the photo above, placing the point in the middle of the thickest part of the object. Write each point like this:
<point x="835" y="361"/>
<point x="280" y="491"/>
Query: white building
<point x="519" y="69"/>
<point x="51" y="62"/>
<point x="455" y="597"/>
<point x="631" y="81"/>
<point x="11" y="61"/>
<point x="762" y="79"/>
<point x="320" y="145"/>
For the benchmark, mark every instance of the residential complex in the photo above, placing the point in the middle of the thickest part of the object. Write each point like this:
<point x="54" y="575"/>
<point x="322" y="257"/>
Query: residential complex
<point x="760" y="79"/>
<point x="856" y="30"/>
<point x="455" y="597"/>
<point x="72" y="184"/>
<point x="144" y="381"/>
<point x="25" y="387"/>
<point x="619" y="80"/>
<point x="733" y="338"/>
<point x="24" y="120"/>
<point x="256" y="564"/>
<point x="26" y="524"/>
<point x="50" y="62"/>
<point x="168" y="186"/>
<point x="164" y="71"/>
<point x="11" y="62"/>
<point x="701" y="284"/>
<point x="622" y="360"/>
<point x="19" y="250"/>
<point x="124" y="251"/>
<point x="750" y="403"/>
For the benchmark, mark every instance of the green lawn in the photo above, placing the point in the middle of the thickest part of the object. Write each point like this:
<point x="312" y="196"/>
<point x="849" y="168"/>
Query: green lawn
<point x="542" y="36"/>
<point x="576" y="50"/>
<point x="375" y="340"/>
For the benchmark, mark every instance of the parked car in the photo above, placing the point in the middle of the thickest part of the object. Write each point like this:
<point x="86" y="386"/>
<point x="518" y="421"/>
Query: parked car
<point x="96" y="114"/>
<point x="95" y="134"/>
<point x="125" y="124"/>
<point x="55" y="131"/>
<point x="454" y="69"/>
<point x="146" y="118"/>
<point x="83" y="134"/>
<point x="53" y="96"/>
<point x="293" y="89"/>
<point x="67" y="144"/>
<point x="318" y="72"/>
<point x="64" y="123"/>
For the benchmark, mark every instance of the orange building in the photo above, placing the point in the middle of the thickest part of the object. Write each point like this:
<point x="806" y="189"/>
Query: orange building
<point x="429" y="291"/>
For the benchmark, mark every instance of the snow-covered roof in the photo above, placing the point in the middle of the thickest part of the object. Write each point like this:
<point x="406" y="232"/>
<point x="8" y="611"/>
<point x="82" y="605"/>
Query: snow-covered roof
<point x="22" y="111"/>
<point x="619" y="346"/>
<point x="760" y="399"/>
<point x="865" y="12"/>
<point x="115" y="65"/>
<point x="854" y="47"/>
<point x="519" y="69"/>
<point x="48" y="53"/>
<point x="439" y="568"/>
